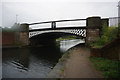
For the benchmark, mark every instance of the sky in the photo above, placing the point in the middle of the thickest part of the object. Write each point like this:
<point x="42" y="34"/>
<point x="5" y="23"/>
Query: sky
<point x="30" y="11"/>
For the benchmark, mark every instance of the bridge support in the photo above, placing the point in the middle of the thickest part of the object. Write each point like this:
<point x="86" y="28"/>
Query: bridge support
<point x="24" y="35"/>
<point x="93" y="28"/>
<point x="53" y="25"/>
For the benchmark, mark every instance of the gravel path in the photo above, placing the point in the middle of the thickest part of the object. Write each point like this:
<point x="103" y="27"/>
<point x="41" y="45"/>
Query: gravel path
<point x="79" y="65"/>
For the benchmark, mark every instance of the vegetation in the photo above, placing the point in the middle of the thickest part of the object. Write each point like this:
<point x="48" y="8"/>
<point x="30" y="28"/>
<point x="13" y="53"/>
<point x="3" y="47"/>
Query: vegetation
<point x="14" y="28"/>
<point x="109" y="68"/>
<point x="7" y="30"/>
<point x="62" y="70"/>
<point x="68" y="56"/>
<point x="66" y="38"/>
<point x="108" y="34"/>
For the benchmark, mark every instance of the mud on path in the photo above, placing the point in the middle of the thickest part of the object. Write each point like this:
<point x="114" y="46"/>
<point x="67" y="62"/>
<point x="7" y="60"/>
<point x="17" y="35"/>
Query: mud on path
<point x="79" y="65"/>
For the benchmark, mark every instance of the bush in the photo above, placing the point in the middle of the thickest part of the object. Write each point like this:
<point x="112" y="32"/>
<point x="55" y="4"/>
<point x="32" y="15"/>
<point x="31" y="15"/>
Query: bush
<point x="7" y="30"/>
<point x="108" y="34"/>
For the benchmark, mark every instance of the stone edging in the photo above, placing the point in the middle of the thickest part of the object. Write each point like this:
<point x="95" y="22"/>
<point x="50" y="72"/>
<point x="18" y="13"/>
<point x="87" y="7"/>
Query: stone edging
<point x="57" y="71"/>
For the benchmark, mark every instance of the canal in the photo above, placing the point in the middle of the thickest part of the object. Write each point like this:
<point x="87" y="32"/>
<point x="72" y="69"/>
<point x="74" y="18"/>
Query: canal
<point x="34" y="62"/>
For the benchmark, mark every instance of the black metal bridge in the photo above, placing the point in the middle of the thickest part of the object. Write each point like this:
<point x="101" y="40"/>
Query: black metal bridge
<point x="90" y="31"/>
<point x="77" y="30"/>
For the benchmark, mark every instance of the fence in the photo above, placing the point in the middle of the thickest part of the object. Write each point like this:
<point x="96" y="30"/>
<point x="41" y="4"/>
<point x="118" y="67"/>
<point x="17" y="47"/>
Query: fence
<point x="114" y="21"/>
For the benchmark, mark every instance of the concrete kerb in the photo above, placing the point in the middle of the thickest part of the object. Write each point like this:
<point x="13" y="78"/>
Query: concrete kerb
<point x="57" y="71"/>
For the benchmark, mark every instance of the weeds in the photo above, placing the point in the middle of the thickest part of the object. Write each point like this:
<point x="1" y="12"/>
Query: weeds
<point x="109" y="68"/>
<point x="108" y="34"/>
<point x="62" y="70"/>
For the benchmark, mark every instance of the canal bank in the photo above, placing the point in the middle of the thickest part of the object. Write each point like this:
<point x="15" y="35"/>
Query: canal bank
<point x="75" y="64"/>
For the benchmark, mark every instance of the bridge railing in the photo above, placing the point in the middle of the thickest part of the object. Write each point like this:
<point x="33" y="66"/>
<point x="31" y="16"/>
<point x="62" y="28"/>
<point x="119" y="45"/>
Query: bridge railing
<point x="113" y="21"/>
<point x="55" y="24"/>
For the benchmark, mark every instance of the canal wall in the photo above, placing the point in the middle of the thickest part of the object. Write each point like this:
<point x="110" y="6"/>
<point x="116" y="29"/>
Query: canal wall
<point x="12" y="39"/>
<point x="110" y="50"/>
<point x="16" y="38"/>
<point x="8" y="38"/>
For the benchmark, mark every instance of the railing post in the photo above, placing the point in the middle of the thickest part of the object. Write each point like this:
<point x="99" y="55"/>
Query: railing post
<point x="53" y="25"/>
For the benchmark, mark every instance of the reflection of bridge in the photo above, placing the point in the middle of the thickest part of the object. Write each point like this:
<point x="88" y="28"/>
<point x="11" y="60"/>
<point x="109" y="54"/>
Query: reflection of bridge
<point x="90" y="32"/>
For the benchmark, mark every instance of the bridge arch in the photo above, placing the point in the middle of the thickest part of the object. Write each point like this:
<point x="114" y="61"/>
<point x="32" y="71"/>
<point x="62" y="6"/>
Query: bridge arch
<point x="49" y="37"/>
<point x="77" y="32"/>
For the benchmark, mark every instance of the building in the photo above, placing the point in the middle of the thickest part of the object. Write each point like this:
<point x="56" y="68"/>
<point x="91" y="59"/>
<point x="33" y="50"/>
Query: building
<point x="119" y="19"/>
<point x="119" y="13"/>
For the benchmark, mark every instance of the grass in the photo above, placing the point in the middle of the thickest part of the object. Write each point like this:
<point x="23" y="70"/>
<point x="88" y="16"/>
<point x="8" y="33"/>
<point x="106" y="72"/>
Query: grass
<point x="62" y="70"/>
<point x="68" y="55"/>
<point x="109" y="68"/>
<point x="96" y="46"/>
<point x="66" y="38"/>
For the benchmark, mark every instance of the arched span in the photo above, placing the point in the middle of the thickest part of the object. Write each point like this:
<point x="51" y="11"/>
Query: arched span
<point x="53" y="35"/>
<point x="79" y="32"/>
<point x="49" y="38"/>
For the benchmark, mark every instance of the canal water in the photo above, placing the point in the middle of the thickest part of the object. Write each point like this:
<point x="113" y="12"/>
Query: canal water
<point x="34" y="62"/>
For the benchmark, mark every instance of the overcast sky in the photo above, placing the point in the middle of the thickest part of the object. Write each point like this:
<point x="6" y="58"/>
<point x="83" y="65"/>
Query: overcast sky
<point x="29" y="11"/>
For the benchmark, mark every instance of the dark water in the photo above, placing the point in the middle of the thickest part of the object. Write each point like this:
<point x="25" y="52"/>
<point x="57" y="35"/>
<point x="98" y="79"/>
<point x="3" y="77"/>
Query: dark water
<point x="34" y="62"/>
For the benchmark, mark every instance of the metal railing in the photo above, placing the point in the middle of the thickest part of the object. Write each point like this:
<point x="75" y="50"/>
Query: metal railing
<point x="114" y="21"/>
<point x="54" y="23"/>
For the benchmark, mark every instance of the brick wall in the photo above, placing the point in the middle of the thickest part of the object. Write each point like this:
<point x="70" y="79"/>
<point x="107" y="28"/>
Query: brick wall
<point x="24" y="38"/>
<point x="110" y="51"/>
<point x="92" y="35"/>
<point x="8" y="38"/>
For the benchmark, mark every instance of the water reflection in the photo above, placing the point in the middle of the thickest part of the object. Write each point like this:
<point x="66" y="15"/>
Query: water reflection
<point x="67" y="44"/>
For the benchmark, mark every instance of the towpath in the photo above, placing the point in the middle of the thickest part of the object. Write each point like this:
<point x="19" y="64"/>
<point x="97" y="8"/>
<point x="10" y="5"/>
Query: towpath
<point x="79" y="65"/>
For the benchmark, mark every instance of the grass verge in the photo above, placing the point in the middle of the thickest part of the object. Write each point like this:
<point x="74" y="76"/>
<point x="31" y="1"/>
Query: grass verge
<point x="109" y="68"/>
<point x="66" y="38"/>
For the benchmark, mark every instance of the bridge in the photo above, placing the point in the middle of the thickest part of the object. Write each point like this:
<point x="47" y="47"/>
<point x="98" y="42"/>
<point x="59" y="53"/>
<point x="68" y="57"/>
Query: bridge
<point x="42" y="35"/>
<point x="90" y="32"/>
<point x="77" y="30"/>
